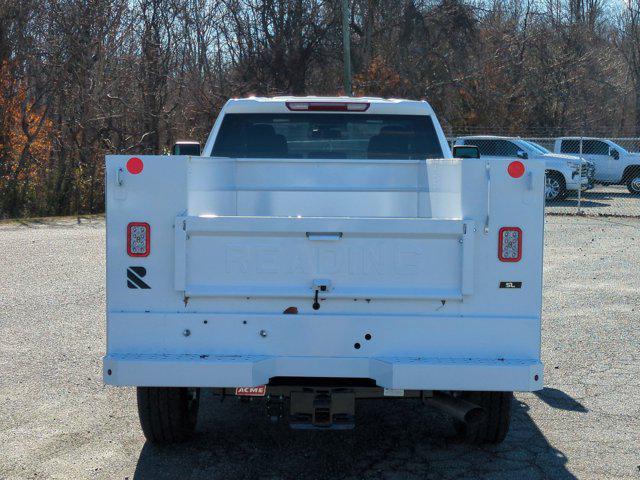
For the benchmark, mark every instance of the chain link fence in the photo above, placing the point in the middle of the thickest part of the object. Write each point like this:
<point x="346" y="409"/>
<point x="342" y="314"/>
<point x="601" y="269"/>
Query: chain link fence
<point x="586" y="174"/>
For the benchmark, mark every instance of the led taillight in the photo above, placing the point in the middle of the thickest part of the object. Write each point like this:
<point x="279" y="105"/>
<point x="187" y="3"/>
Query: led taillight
<point x="327" y="106"/>
<point x="138" y="239"/>
<point x="510" y="244"/>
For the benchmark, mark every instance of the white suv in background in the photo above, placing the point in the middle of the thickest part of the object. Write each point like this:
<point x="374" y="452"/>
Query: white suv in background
<point x="614" y="164"/>
<point x="563" y="171"/>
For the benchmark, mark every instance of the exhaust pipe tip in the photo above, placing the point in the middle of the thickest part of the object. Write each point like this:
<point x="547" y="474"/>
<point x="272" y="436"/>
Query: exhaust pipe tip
<point x="462" y="410"/>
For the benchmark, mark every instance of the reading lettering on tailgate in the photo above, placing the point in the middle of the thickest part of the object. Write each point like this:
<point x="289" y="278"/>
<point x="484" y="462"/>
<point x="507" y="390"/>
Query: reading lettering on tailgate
<point x="424" y="261"/>
<point x="369" y="260"/>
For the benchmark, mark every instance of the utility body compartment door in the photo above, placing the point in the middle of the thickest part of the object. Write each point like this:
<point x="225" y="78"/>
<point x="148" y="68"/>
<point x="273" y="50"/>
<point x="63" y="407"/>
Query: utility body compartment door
<point x="355" y="258"/>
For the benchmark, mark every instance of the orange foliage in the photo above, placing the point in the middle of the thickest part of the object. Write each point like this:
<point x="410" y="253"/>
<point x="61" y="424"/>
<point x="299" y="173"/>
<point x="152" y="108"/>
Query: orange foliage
<point x="23" y="127"/>
<point x="379" y="80"/>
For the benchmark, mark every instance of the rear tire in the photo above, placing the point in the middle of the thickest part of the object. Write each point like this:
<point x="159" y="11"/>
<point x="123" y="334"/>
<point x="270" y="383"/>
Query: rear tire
<point x="493" y="429"/>
<point x="168" y="414"/>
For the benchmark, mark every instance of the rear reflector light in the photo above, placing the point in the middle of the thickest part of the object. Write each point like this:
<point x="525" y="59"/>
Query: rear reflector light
<point x="138" y="239"/>
<point x="510" y="244"/>
<point x="328" y="106"/>
<point x="516" y="169"/>
<point x="135" y="165"/>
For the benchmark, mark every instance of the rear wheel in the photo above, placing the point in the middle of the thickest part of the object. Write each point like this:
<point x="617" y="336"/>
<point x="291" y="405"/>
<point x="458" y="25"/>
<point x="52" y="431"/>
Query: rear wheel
<point x="554" y="187"/>
<point x="493" y="429"/>
<point x="168" y="414"/>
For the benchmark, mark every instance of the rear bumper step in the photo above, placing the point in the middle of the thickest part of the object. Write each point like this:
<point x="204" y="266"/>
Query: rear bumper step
<point x="176" y="370"/>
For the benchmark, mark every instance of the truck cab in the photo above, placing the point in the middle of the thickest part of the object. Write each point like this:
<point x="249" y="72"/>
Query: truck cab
<point x="614" y="164"/>
<point x="564" y="173"/>
<point x="320" y="251"/>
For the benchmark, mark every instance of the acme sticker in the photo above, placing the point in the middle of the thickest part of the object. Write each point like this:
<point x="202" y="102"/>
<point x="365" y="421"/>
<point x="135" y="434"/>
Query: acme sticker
<point x="258" y="391"/>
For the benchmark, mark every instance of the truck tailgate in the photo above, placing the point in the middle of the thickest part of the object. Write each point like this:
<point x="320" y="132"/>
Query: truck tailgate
<point x="289" y="257"/>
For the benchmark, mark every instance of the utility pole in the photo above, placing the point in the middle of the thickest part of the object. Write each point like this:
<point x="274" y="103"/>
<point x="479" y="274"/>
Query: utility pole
<point x="346" y="47"/>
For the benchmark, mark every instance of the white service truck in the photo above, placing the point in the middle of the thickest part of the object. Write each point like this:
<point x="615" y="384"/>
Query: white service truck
<point x="614" y="164"/>
<point x="322" y="250"/>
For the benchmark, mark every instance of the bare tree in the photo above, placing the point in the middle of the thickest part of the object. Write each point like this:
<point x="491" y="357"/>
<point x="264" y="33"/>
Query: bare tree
<point x="629" y="43"/>
<point x="81" y="78"/>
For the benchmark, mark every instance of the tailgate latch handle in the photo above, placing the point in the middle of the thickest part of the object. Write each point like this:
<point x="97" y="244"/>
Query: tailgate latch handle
<point x="320" y="286"/>
<point x="324" y="236"/>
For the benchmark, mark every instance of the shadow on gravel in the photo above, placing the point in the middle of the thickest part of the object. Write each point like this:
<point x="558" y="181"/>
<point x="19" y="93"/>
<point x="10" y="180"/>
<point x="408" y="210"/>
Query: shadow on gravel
<point x="610" y="195"/>
<point x="558" y="399"/>
<point x="54" y="222"/>
<point x="392" y="439"/>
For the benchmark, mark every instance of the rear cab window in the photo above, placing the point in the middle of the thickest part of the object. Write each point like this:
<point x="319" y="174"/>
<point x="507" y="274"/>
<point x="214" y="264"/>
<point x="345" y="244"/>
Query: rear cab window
<point x="327" y="136"/>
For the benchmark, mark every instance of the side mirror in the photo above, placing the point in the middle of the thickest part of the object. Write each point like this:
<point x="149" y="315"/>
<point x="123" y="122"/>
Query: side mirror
<point x="186" y="147"/>
<point x="615" y="154"/>
<point x="522" y="154"/>
<point x="466" y="151"/>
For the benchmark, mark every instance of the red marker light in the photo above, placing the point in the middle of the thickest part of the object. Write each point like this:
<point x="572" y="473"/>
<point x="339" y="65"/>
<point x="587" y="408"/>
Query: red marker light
<point x="516" y="169"/>
<point x="135" y="165"/>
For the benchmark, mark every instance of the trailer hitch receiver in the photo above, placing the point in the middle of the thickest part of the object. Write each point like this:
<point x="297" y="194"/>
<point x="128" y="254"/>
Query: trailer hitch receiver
<point x="325" y="409"/>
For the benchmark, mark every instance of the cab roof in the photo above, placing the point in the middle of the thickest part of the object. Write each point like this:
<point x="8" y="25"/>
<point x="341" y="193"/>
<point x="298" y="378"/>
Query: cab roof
<point x="393" y="106"/>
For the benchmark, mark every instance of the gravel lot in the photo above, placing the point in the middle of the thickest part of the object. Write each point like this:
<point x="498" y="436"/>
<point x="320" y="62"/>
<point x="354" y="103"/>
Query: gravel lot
<point x="57" y="420"/>
<point x="601" y="200"/>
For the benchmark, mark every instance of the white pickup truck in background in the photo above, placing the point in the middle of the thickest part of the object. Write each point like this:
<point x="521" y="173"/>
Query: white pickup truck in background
<point x="614" y="164"/>
<point x="322" y="250"/>
<point x="565" y="173"/>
